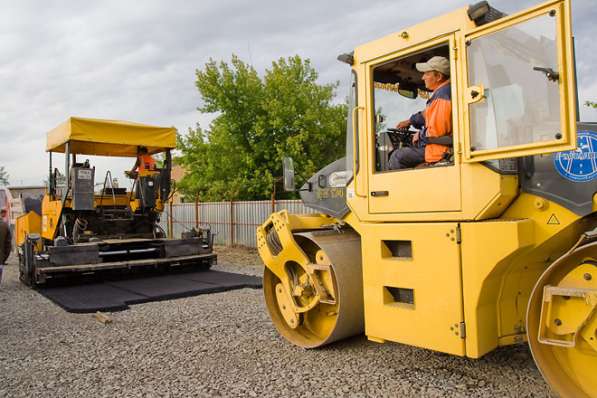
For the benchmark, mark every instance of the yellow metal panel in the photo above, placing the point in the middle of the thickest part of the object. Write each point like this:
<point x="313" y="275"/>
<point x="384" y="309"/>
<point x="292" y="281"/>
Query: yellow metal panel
<point x="556" y="229"/>
<point x="567" y="84"/>
<point x="284" y="224"/>
<point x="486" y="194"/>
<point x="491" y="196"/>
<point x="422" y="190"/>
<point x="29" y="223"/>
<point x="107" y="200"/>
<point x="50" y="210"/>
<point x="422" y="32"/>
<point x="487" y="250"/>
<point x="109" y="137"/>
<point x="550" y="218"/>
<point x="512" y="339"/>
<point x="433" y="272"/>
<point x="501" y="262"/>
<point x="135" y="205"/>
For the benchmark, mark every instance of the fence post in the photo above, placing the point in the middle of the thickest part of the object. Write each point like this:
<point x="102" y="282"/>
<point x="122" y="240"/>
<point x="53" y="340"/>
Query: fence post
<point x="231" y="223"/>
<point x="170" y="221"/>
<point x="196" y="213"/>
<point x="274" y="196"/>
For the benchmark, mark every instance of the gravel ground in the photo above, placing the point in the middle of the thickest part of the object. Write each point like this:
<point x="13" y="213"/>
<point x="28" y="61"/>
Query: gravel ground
<point x="223" y="345"/>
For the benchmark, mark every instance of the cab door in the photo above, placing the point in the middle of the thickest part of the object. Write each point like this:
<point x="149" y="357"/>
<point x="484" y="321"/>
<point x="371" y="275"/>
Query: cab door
<point x="519" y="90"/>
<point x="425" y="189"/>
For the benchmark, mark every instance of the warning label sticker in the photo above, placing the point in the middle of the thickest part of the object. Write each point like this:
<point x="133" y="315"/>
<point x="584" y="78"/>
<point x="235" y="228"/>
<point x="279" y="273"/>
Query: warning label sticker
<point x="553" y="220"/>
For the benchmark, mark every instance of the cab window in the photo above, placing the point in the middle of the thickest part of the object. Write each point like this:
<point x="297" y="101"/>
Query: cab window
<point x="398" y="93"/>
<point x="521" y="100"/>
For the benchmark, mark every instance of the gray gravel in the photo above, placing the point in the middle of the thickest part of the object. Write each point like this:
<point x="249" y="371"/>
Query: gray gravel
<point x="223" y="345"/>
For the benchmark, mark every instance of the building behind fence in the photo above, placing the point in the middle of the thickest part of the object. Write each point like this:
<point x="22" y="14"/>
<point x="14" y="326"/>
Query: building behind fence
<point x="234" y="223"/>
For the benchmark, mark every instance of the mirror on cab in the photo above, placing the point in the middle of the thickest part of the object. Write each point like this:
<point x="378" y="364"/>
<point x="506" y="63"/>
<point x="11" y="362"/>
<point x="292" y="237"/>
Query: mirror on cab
<point x="288" y="171"/>
<point x="412" y="94"/>
<point x="408" y="90"/>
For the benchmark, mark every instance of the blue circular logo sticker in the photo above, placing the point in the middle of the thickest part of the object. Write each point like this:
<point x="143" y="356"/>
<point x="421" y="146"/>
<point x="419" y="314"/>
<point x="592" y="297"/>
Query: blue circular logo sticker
<point x="579" y="165"/>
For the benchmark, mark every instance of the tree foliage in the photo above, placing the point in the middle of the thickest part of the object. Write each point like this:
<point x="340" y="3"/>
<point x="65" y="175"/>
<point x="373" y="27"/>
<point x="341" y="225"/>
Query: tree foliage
<point x="3" y="176"/>
<point x="260" y="120"/>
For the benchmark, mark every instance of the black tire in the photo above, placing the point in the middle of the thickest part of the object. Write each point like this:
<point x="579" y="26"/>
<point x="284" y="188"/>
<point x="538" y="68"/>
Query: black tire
<point x="206" y="265"/>
<point x="25" y="270"/>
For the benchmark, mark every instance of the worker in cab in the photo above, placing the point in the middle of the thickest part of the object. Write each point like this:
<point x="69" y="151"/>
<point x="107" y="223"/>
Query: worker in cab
<point x="145" y="163"/>
<point x="433" y="122"/>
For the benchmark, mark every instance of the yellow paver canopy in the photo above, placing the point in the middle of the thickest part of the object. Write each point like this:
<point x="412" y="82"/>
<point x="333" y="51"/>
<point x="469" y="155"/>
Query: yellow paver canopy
<point x="109" y="137"/>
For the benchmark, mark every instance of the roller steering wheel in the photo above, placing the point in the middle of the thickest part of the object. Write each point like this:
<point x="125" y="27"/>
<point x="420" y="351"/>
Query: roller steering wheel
<point x="400" y="137"/>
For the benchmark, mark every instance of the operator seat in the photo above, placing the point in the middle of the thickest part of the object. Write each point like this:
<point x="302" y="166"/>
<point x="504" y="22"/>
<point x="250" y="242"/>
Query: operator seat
<point x="448" y="158"/>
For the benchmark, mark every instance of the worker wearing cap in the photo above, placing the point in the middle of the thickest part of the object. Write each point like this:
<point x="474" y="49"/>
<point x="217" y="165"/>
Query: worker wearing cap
<point x="435" y="121"/>
<point x="145" y="162"/>
<point x="5" y="241"/>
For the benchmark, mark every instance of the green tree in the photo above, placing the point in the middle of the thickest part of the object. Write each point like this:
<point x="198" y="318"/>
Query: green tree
<point x="260" y="120"/>
<point x="3" y="176"/>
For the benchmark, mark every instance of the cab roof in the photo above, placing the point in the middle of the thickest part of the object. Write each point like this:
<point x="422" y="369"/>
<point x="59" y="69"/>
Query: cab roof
<point x="109" y="137"/>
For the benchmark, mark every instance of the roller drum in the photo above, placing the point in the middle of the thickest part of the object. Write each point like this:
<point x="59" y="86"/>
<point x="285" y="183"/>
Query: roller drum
<point x="332" y="318"/>
<point x="562" y="322"/>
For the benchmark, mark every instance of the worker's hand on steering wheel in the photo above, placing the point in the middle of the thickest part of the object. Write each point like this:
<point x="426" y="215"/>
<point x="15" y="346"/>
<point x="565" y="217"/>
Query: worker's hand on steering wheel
<point x="416" y="137"/>
<point x="403" y="124"/>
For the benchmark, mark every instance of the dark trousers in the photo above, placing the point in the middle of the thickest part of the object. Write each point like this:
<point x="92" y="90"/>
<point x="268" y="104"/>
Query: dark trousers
<point x="407" y="157"/>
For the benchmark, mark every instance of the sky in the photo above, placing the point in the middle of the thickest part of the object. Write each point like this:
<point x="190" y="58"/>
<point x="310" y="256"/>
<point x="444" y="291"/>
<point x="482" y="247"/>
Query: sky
<point x="136" y="61"/>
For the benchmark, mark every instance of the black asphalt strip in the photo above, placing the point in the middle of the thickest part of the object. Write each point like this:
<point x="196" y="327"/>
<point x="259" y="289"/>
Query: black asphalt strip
<point x="118" y="295"/>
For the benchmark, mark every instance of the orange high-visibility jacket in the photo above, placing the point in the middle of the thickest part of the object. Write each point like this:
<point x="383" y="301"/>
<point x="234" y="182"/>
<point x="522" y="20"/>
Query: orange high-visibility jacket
<point x="146" y="162"/>
<point x="435" y="121"/>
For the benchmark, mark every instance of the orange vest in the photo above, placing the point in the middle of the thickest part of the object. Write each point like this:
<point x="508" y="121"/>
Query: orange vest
<point x="438" y="121"/>
<point x="146" y="162"/>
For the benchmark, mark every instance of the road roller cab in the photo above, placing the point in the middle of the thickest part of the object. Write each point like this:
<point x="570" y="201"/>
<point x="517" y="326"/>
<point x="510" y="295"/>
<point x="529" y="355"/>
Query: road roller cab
<point x="491" y="245"/>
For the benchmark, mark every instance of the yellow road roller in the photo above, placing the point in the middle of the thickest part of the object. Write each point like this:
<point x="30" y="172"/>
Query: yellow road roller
<point x="490" y="239"/>
<point x="84" y="228"/>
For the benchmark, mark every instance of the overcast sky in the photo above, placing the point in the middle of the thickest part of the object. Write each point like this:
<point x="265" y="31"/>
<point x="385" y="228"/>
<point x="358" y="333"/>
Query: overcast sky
<point x="136" y="60"/>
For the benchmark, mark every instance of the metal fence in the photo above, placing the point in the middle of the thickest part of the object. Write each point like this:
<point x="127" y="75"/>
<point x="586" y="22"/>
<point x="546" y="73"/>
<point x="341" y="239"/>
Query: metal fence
<point x="234" y="223"/>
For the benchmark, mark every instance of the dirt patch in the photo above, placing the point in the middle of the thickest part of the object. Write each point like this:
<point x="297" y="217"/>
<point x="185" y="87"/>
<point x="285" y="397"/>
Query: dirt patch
<point x="240" y="259"/>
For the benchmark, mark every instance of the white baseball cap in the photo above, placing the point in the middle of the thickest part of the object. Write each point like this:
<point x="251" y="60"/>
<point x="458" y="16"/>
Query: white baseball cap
<point x="437" y="63"/>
